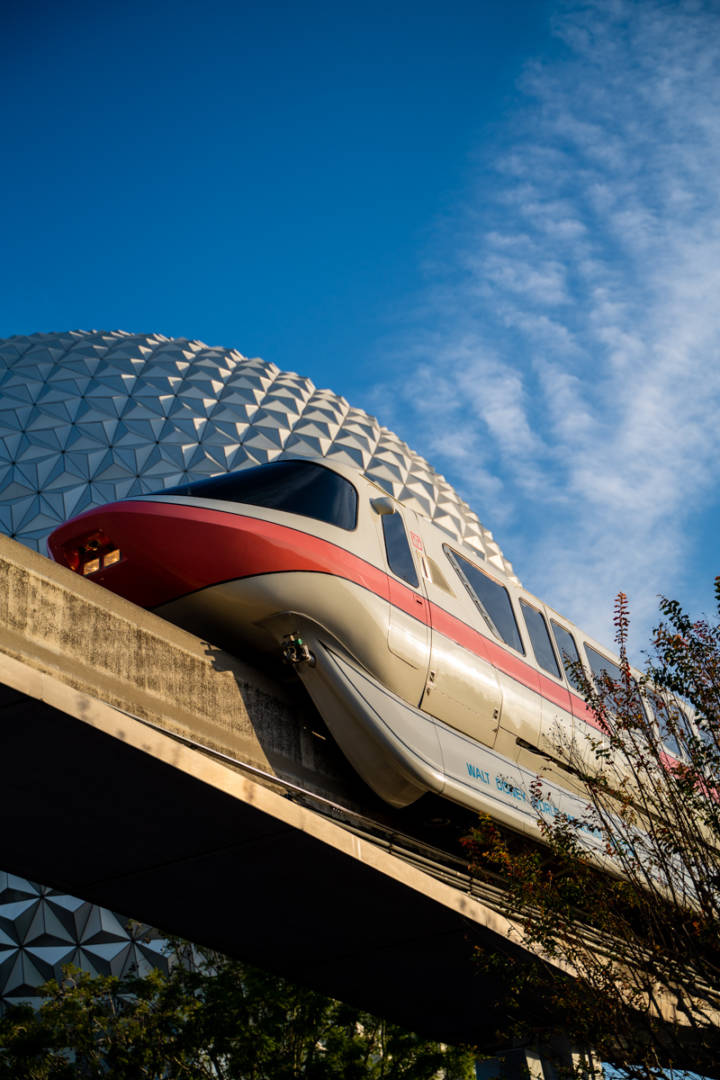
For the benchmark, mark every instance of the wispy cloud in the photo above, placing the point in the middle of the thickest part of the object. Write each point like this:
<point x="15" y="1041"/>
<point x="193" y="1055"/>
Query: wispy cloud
<point x="567" y="375"/>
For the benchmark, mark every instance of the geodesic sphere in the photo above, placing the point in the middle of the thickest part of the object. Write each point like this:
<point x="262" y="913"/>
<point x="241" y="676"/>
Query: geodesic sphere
<point x="87" y="417"/>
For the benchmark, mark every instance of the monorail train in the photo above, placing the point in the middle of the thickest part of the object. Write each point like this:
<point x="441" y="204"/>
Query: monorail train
<point x="432" y="671"/>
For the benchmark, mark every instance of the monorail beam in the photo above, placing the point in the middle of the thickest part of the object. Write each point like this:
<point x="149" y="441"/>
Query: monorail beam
<point x="107" y="798"/>
<point x="104" y="709"/>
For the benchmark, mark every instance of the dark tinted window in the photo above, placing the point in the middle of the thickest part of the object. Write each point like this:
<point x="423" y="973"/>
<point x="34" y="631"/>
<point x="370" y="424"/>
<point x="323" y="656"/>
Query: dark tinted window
<point x="297" y="487"/>
<point x="491" y="598"/>
<point x="399" y="556"/>
<point x="708" y="733"/>
<point x="600" y="665"/>
<point x="568" y="652"/>
<point x="540" y="638"/>
<point x="671" y="720"/>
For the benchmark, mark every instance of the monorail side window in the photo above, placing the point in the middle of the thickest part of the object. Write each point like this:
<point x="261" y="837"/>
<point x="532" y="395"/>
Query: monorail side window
<point x="397" y="548"/>
<point x="708" y="733"/>
<point x="540" y="638"/>
<point x="568" y="651"/>
<point x="601" y="666"/>
<point x="491" y="598"/>
<point x="671" y="721"/>
<point x="296" y="487"/>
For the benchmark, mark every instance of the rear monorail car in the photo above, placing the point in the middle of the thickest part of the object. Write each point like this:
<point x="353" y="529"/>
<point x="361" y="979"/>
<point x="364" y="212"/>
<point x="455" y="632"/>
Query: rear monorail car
<point x="433" y="671"/>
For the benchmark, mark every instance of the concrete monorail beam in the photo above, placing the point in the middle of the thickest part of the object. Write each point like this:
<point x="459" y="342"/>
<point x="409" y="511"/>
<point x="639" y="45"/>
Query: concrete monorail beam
<point x="108" y="796"/>
<point x="147" y="771"/>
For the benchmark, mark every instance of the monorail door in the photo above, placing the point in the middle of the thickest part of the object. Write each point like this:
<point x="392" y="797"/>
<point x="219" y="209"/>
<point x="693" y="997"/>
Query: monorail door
<point x="462" y="688"/>
<point x="409" y="617"/>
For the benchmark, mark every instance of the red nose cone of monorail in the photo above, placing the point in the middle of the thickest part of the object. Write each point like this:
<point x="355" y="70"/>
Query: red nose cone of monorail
<point x="148" y="552"/>
<point x="153" y="552"/>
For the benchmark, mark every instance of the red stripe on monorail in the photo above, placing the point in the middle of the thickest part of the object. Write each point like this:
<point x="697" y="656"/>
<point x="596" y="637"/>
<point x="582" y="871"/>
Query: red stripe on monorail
<point x="162" y="563"/>
<point x="170" y="550"/>
<point x="492" y="652"/>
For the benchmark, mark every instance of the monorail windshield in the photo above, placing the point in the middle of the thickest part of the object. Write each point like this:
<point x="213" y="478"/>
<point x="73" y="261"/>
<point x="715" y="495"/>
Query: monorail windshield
<point x="296" y="487"/>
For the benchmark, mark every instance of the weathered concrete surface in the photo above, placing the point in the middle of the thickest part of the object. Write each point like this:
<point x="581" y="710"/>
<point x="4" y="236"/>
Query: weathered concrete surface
<point x="65" y="625"/>
<point x="120" y="813"/>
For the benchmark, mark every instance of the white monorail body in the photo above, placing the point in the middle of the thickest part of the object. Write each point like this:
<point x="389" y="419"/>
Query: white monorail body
<point x="433" y="671"/>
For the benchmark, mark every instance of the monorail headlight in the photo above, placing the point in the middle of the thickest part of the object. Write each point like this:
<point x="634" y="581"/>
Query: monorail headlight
<point x="89" y="554"/>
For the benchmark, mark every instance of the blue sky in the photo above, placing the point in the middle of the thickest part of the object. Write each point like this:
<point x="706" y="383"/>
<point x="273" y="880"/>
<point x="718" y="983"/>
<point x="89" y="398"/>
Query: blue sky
<point x="497" y="227"/>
